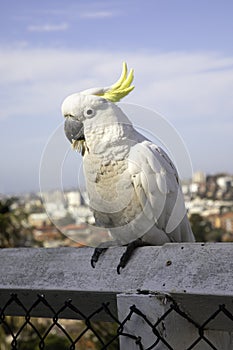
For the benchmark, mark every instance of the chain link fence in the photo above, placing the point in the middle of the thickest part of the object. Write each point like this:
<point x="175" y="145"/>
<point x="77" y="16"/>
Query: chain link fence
<point x="27" y="332"/>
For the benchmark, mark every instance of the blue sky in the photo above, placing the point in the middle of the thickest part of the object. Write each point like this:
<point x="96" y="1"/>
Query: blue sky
<point x="181" y="51"/>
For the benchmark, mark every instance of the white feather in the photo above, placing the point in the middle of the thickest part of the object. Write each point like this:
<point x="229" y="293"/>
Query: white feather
<point x="132" y="183"/>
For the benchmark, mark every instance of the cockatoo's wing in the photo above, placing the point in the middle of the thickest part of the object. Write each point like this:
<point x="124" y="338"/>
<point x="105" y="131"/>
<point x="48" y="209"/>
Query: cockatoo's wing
<point x="156" y="184"/>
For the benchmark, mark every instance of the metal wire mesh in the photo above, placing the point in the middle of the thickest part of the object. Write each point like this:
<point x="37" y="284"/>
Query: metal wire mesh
<point x="90" y="335"/>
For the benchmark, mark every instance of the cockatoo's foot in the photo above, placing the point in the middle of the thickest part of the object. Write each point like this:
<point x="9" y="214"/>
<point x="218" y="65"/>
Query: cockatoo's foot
<point x="96" y="255"/>
<point x="127" y="254"/>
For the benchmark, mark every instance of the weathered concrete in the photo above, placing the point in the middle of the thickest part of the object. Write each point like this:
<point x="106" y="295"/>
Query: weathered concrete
<point x="198" y="276"/>
<point x="174" y="268"/>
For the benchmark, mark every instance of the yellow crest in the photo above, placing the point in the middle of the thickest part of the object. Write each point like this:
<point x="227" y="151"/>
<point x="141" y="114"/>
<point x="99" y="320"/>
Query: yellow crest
<point x="121" y="88"/>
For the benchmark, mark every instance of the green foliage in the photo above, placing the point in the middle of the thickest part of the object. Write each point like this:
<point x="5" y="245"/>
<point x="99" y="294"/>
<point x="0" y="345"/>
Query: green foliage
<point x="200" y="227"/>
<point x="14" y="228"/>
<point x="203" y="230"/>
<point x="28" y="339"/>
<point x="52" y="342"/>
<point x="107" y="331"/>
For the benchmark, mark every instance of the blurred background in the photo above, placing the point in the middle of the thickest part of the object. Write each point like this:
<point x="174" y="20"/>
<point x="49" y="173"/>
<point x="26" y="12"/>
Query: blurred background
<point x="183" y="59"/>
<point x="182" y="54"/>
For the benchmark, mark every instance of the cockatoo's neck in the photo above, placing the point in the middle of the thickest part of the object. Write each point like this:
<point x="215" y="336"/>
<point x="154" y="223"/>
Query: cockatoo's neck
<point x="108" y="134"/>
<point x="108" y="140"/>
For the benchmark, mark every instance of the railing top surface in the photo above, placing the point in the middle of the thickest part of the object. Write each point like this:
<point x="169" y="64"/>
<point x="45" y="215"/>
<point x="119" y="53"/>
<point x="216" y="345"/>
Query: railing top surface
<point x="192" y="268"/>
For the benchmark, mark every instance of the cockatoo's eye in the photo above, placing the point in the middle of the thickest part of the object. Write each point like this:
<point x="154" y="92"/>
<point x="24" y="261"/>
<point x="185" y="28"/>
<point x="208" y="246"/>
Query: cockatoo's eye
<point x="89" y="112"/>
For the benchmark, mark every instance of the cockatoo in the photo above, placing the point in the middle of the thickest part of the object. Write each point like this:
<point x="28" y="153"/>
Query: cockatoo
<point x="132" y="184"/>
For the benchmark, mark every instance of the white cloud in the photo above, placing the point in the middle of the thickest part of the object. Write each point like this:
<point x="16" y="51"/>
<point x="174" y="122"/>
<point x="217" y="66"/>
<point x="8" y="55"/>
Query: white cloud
<point x="193" y="90"/>
<point x="48" y="27"/>
<point x="181" y="85"/>
<point x="97" y="14"/>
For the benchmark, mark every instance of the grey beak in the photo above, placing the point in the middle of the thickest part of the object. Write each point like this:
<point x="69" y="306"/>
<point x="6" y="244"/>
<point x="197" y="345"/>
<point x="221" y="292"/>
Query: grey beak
<point x="74" y="129"/>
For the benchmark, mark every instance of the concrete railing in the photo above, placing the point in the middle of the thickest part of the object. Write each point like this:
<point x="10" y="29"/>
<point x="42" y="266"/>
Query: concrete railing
<point x="177" y="296"/>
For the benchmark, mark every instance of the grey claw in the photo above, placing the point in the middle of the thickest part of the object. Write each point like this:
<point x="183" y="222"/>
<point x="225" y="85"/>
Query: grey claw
<point x="95" y="256"/>
<point x="119" y="269"/>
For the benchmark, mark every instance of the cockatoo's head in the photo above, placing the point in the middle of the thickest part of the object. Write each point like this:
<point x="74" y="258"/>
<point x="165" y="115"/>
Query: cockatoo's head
<point x="94" y="106"/>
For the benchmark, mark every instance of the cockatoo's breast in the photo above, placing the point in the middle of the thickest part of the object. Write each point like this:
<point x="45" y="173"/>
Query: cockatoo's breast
<point x="111" y="193"/>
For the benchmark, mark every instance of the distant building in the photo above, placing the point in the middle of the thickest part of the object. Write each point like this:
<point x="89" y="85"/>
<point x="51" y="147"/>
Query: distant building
<point x="223" y="221"/>
<point x="199" y="177"/>
<point x="74" y="198"/>
<point x="224" y="182"/>
<point x="194" y="188"/>
<point x="39" y="219"/>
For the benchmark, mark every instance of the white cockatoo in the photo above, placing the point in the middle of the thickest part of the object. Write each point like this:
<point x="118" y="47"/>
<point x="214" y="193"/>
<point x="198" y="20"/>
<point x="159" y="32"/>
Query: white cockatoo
<point x="132" y="184"/>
